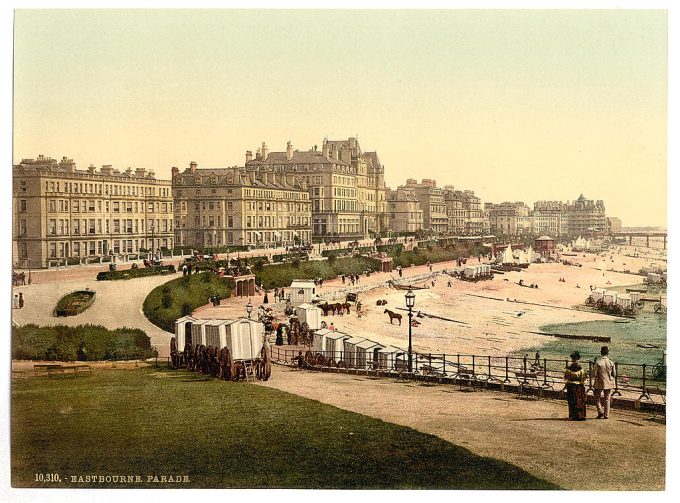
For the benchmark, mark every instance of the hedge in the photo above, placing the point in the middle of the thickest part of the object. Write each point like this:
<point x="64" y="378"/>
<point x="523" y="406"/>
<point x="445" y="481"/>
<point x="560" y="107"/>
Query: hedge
<point x="281" y="275"/>
<point x="135" y="273"/>
<point x="82" y="342"/>
<point x="181" y="296"/>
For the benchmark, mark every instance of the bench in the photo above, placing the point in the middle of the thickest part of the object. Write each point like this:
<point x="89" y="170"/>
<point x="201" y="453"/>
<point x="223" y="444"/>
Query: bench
<point x="467" y="378"/>
<point x="41" y="370"/>
<point x="650" y="392"/>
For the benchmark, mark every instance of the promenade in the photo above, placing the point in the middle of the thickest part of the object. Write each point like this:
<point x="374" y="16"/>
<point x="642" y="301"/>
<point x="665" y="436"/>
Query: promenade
<point x="533" y="434"/>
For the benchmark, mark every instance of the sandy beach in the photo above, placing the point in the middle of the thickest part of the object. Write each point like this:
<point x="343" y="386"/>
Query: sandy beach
<point x="492" y="317"/>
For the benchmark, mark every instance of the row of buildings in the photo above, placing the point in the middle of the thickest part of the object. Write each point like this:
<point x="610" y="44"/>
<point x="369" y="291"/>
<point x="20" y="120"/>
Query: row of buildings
<point x="64" y="214"/>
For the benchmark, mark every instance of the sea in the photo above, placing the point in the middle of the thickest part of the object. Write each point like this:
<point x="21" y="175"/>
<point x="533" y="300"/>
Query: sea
<point x="626" y="334"/>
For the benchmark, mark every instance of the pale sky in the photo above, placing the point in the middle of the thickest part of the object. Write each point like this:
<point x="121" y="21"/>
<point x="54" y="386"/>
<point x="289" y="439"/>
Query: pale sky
<point x="515" y="105"/>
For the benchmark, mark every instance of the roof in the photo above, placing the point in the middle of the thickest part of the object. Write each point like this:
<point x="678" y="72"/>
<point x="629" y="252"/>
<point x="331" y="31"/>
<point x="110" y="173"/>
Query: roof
<point x="355" y="340"/>
<point x="545" y="238"/>
<point x="302" y="283"/>
<point x="368" y="344"/>
<point x="299" y="157"/>
<point x="185" y="318"/>
<point x="337" y="335"/>
<point x="308" y="306"/>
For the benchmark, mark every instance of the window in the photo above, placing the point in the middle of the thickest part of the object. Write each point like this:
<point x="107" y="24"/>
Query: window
<point x="116" y="207"/>
<point x="53" y="250"/>
<point x="52" y="227"/>
<point x="90" y="206"/>
<point x="22" y="185"/>
<point x="22" y="205"/>
<point x="229" y="205"/>
<point x="116" y="226"/>
<point x="22" y="227"/>
<point x="91" y="226"/>
<point x="230" y="223"/>
<point x="53" y="205"/>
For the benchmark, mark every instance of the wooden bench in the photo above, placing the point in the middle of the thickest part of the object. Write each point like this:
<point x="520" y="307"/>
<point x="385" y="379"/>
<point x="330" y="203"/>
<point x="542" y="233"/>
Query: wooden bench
<point x="467" y="378"/>
<point x="42" y="370"/>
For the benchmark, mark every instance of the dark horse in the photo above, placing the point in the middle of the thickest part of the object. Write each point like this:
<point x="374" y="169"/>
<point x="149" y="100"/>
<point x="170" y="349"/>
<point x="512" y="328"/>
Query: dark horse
<point x="393" y="316"/>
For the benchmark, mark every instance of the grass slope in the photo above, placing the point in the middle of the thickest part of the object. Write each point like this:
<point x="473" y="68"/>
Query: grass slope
<point x="227" y="435"/>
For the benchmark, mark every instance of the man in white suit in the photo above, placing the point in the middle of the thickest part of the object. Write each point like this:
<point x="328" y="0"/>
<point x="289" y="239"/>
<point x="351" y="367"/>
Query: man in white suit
<point x="605" y="375"/>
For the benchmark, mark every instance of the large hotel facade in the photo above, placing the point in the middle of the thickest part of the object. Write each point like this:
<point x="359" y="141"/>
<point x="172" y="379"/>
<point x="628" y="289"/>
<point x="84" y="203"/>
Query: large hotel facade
<point x="68" y="215"/>
<point x="62" y="213"/>
<point x="231" y="207"/>
<point x="346" y="185"/>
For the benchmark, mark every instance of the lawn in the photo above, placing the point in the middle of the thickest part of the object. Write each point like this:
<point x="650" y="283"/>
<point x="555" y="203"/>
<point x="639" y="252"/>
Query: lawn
<point x="181" y="296"/>
<point x="226" y="435"/>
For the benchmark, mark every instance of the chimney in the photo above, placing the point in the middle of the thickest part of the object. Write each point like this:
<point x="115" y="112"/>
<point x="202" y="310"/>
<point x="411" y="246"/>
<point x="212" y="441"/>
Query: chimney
<point x="175" y="171"/>
<point x="325" y="147"/>
<point x="106" y="169"/>
<point x="193" y="166"/>
<point x="128" y="171"/>
<point x="249" y="155"/>
<point x="265" y="151"/>
<point x="91" y="168"/>
<point x="251" y="175"/>
<point x="289" y="150"/>
<point x="151" y="174"/>
<point x="258" y="155"/>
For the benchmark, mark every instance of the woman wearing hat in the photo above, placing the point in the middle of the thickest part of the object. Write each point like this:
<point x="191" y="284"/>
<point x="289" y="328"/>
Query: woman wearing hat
<point x="575" y="377"/>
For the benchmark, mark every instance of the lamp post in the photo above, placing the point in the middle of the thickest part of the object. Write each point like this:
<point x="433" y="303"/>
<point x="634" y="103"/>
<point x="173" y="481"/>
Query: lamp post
<point x="410" y="302"/>
<point x="249" y="308"/>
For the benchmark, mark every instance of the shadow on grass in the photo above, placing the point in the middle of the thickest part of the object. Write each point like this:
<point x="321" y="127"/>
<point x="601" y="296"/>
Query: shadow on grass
<point x="229" y="435"/>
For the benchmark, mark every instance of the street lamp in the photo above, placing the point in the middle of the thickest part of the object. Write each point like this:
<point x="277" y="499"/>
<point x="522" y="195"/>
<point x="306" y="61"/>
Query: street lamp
<point x="249" y="308"/>
<point x="410" y="302"/>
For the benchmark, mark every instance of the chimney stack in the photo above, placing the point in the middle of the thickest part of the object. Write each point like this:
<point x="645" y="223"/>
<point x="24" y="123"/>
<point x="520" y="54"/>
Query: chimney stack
<point x="193" y="166"/>
<point x="249" y="155"/>
<point x="265" y="151"/>
<point x="258" y="155"/>
<point x="325" y="147"/>
<point x="289" y="150"/>
<point x="175" y="171"/>
<point x="91" y="168"/>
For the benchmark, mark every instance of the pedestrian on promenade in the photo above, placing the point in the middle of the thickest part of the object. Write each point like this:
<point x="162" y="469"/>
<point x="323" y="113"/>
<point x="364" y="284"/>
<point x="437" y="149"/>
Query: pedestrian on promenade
<point x="575" y="376"/>
<point x="21" y="300"/>
<point x="276" y="295"/>
<point x="15" y="302"/>
<point x="605" y="382"/>
<point x="343" y="279"/>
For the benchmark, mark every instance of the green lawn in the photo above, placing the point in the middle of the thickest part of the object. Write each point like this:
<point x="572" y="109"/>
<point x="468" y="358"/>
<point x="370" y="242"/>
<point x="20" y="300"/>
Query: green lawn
<point x="227" y="435"/>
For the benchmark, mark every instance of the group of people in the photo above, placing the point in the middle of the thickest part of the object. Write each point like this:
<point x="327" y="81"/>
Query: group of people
<point x="279" y="295"/>
<point x="18" y="301"/>
<point x="352" y="279"/>
<point x="603" y="384"/>
<point x="19" y="278"/>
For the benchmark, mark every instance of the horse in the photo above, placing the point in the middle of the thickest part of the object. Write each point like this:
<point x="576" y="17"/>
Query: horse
<point x="346" y="306"/>
<point x="393" y="315"/>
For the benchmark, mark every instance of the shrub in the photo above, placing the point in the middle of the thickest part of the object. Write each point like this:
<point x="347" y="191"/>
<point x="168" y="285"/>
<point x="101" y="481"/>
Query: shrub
<point x="135" y="273"/>
<point x="82" y="342"/>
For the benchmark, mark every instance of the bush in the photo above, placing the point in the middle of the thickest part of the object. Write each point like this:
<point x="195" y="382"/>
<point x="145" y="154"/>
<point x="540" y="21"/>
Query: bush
<point x="135" y="273"/>
<point x="281" y="275"/>
<point x="185" y="294"/>
<point x="82" y="342"/>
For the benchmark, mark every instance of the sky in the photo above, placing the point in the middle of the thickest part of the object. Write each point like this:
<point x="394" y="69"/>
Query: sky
<point x="516" y="105"/>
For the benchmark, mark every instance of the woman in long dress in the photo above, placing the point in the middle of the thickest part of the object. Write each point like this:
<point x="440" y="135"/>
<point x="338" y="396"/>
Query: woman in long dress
<point x="575" y="377"/>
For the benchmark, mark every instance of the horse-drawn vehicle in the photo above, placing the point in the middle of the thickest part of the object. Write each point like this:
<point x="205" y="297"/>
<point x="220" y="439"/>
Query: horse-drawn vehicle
<point x="228" y="349"/>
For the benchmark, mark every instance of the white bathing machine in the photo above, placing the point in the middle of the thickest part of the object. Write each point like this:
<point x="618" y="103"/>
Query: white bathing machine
<point x="320" y="338"/>
<point x="388" y="357"/>
<point x="198" y="333"/>
<point x="302" y="292"/>
<point x="309" y="314"/>
<point x="609" y="297"/>
<point x="367" y="354"/>
<point x="624" y="300"/>
<point x="597" y="294"/>
<point x="635" y="297"/>
<point x="470" y="272"/>
<point x="333" y="342"/>
<point x="350" y="350"/>
<point x="183" y="331"/>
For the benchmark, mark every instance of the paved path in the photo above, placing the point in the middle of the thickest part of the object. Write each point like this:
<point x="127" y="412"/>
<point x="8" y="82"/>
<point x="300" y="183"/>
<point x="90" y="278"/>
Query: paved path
<point x="117" y="304"/>
<point x="627" y="451"/>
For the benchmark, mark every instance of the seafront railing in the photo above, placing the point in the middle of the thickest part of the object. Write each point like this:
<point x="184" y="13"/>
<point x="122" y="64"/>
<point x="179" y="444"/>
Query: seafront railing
<point x="634" y="381"/>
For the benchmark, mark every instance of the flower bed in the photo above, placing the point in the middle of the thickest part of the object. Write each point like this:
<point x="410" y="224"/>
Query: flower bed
<point x="74" y="303"/>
